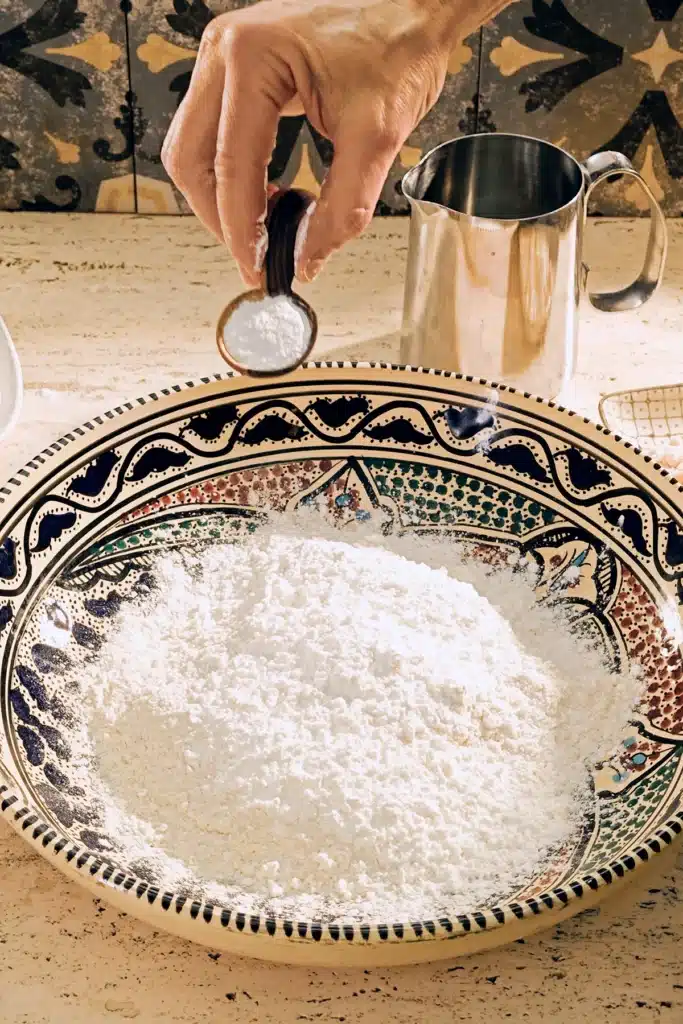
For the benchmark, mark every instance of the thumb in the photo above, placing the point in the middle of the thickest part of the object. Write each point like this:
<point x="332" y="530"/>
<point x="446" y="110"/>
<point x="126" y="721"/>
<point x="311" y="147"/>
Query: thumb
<point x="362" y="160"/>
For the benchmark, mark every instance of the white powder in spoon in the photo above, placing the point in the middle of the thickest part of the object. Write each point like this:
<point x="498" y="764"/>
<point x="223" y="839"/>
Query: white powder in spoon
<point x="269" y="334"/>
<point x="344" y="725"/>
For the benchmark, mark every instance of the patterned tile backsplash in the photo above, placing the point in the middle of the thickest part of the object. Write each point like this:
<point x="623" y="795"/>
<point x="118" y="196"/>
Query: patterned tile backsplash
<point x="89" y="87"/>
<point x="591" y="75"/>
<point x="65" y="139"/>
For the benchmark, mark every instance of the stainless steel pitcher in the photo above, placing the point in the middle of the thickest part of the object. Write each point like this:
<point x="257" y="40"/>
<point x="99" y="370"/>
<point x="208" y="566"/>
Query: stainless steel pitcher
<point x="494" y="263"/>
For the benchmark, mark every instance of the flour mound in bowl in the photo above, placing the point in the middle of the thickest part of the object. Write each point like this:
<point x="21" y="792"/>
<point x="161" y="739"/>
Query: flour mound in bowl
<point x="268" y="334"/>
<point x="323" y="725"/>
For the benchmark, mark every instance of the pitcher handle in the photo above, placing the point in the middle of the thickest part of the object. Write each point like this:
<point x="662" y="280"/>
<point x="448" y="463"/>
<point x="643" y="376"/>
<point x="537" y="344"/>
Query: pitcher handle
<point x="11" y="381"/>
<point x="599" y="167"/>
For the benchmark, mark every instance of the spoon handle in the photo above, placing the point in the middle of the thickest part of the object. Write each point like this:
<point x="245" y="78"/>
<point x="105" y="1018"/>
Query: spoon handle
<point x="285" y="212"/>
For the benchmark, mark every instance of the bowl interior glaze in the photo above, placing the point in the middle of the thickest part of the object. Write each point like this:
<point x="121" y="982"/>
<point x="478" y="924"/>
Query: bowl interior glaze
<point x="81" y="525"/>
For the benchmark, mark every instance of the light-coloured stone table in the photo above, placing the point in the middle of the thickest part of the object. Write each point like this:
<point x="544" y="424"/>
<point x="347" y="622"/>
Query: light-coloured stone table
<point x="106" y="308"/>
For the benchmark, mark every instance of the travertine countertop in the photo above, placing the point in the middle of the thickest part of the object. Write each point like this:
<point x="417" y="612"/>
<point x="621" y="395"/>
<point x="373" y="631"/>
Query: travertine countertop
<point x="105" y="308"/>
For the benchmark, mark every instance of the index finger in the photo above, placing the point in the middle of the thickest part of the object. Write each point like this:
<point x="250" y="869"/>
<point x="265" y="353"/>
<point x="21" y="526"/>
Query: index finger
<point x="364" y="153"/>
<point x="189" y="150"/>
<point x="254" y="93"/>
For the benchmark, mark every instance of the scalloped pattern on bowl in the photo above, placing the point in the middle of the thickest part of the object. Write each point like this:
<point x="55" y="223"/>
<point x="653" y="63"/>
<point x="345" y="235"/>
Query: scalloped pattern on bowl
<point x="82" y="522"/>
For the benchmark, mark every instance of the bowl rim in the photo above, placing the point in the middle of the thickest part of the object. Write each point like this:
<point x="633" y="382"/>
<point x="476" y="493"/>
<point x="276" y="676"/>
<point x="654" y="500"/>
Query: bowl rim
<point x="90" y="868"/>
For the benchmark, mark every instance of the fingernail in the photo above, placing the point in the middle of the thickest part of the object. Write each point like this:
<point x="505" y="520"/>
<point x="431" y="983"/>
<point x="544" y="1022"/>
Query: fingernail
<point x="260" y="250"/>
<point x="311" y="270"/>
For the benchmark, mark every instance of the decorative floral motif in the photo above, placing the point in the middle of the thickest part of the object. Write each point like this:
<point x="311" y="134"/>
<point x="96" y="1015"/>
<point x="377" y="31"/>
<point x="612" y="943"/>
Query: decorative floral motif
<point x="594" y="77"/>
<point x="584" y="75"/>
<point x="53" y="19"/>
<point x="63" y="77"/>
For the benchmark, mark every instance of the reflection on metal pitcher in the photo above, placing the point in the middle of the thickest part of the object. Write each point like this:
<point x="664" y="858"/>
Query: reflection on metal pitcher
<point x="494" y="265"/>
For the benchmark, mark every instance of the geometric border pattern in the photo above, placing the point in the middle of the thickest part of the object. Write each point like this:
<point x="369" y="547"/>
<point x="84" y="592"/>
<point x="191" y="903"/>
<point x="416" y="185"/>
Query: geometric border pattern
<point x="445" y="927"/>
<point x="87" y="865"/>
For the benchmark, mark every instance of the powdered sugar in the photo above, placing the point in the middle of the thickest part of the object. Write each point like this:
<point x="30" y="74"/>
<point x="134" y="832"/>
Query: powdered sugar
<point x="344" y="725"/>
<point x="268" y="334"/>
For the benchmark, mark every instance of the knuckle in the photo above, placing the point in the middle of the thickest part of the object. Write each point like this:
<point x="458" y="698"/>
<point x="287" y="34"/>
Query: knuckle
<point x="233" y="35"/>
<point x="352" y="222"/>
<point x="227" y="165"/>
<point x="238" y="43"/>
<point x="232" y="162"/>
<point x="210" y="37"/>
<point x="181" y="173"/>
<point x="173" y="163"/>
<point x="388" y="137"/>
<point x="214" y="33"/>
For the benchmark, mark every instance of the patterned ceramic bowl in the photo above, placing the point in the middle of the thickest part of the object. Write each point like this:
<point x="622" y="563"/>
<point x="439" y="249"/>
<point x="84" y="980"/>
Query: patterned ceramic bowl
<point x="80" y="524"/>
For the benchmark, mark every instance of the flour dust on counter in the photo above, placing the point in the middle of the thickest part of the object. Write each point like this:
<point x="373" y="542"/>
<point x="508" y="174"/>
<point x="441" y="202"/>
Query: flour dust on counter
<point x="344" y="725"/>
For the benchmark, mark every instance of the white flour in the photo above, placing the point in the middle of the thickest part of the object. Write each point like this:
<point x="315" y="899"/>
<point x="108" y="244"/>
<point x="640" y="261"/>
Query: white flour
<point x="374" y="729"/>
<point x="271" y="333"/>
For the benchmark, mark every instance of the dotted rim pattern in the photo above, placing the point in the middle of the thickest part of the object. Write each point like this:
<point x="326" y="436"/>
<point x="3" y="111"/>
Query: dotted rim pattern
<point x="92" y="867"/>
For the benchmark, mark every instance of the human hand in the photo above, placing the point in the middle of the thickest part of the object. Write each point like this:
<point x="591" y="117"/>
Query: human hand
<point x="364" y="71"/>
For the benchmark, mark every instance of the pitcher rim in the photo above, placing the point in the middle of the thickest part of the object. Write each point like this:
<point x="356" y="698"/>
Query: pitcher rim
<point x="495" y="220"/>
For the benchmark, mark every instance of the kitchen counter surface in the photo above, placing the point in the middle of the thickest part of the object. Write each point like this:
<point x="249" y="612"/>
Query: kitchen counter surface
<point x="108" y="308"/>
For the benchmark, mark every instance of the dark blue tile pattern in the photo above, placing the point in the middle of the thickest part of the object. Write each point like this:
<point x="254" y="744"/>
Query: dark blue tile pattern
<point x="89" y="88"/>
<point x="592" y="75"/>
<point x="66" y="123"/>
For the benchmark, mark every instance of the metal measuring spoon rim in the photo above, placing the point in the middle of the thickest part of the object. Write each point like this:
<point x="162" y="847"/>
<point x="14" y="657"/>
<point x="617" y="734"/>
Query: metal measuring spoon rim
<point x="286" y="210"/>
<point x="255" y="295"/>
